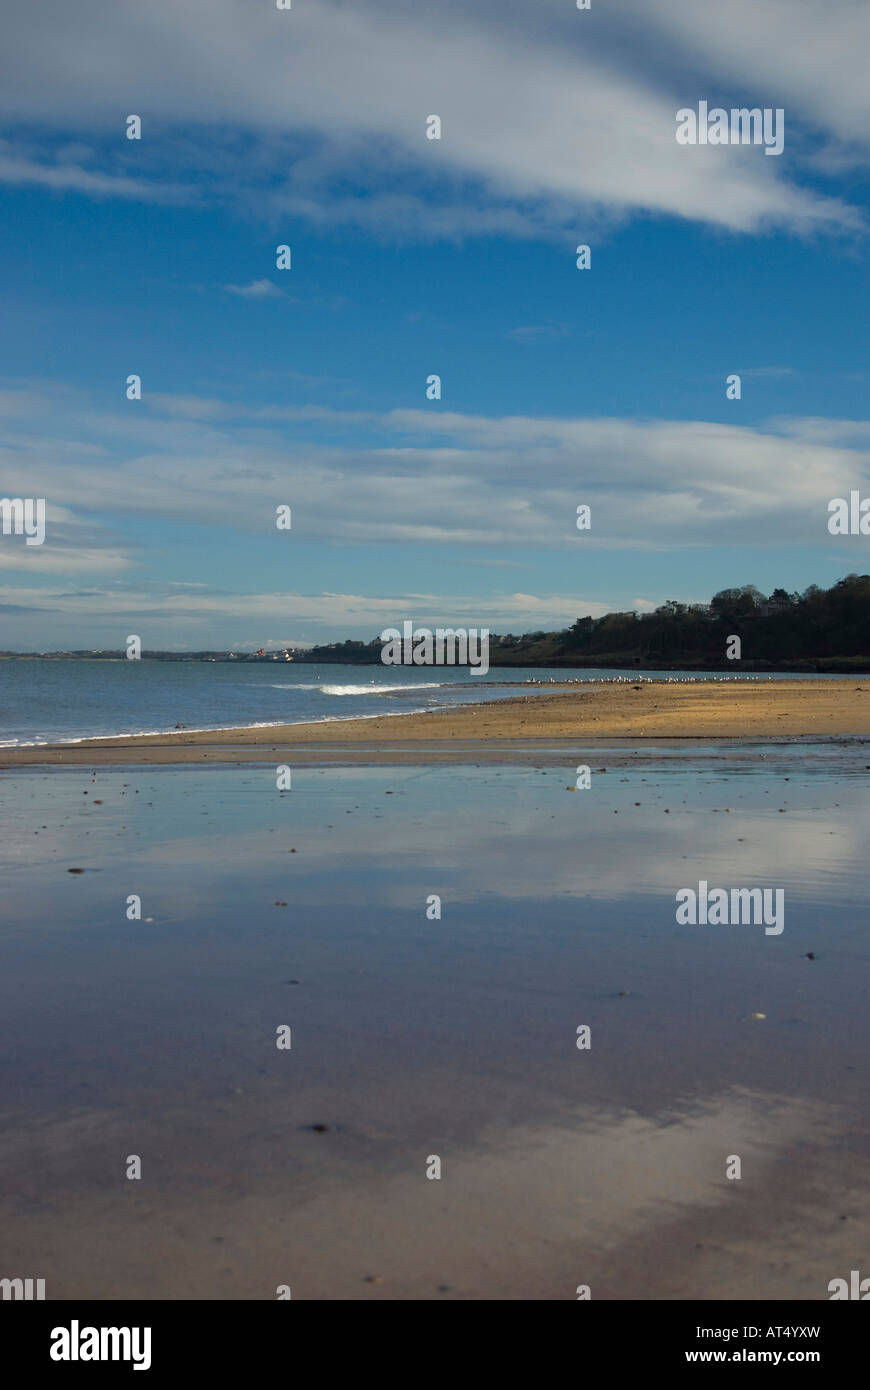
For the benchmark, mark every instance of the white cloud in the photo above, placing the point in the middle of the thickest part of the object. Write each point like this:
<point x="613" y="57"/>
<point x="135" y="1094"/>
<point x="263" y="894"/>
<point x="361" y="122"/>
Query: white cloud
<point x="488" y="483"/>
<point x="180" y="614"/>
<point x="257" y="289"/>
<point x="72" y="178"/>
<point x="72" y="545"/>
<point x="810" y="59"/>
<point x="52" y="558"/>
<point x="546" y="112"/>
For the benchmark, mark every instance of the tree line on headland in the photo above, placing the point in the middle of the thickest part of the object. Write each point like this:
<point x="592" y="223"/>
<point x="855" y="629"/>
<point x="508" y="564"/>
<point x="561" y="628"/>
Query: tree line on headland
<point x="817" y="630"/>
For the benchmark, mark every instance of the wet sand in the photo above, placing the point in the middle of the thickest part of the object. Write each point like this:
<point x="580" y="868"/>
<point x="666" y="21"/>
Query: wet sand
<point x="652" y="710"/>
<point x="453" y="1037"/>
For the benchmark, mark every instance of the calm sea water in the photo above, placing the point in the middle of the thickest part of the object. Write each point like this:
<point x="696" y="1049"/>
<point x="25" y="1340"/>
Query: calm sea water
<point x="453" y="1036"/>
<point x="49" y="701"/>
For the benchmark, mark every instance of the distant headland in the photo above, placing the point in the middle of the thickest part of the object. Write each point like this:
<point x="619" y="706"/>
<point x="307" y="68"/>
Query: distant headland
<point x="819" y="630"/>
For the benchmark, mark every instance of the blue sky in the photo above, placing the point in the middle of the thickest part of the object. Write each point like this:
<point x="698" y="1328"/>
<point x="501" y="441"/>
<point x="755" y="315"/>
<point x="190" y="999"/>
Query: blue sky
<point x="410" y="257"/>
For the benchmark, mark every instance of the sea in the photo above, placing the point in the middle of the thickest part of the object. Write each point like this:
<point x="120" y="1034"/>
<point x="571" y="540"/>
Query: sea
<point x="47" y="701"/>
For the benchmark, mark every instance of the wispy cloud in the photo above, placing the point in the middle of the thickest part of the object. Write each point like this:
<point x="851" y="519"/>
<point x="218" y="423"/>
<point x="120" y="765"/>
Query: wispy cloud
<point x="179" y="618"/>
<point x="539" y="333"/>
<point x="456" y="479"/>
<point x="73" y="545"/>
<point x="547" y="113"/>
<point x="765" y="373"/>
<point x="257" y="289"/>
<point x="73" y="178"/>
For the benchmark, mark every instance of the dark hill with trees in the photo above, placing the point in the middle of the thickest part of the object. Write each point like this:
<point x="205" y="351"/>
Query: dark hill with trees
<point x="818" y="630"/>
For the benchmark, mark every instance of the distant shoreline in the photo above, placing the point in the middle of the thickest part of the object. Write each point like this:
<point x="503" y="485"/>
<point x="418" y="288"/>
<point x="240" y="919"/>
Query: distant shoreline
<point x="652" y="710"/>
<point x="803" y="666"/>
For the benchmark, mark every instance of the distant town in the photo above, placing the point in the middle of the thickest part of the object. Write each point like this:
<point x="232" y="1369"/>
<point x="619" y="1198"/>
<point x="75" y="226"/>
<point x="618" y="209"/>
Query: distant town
<point x="101" y="654"/>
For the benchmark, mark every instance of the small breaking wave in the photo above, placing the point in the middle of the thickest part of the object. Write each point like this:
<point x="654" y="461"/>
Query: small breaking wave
<point x="374" y="689"/>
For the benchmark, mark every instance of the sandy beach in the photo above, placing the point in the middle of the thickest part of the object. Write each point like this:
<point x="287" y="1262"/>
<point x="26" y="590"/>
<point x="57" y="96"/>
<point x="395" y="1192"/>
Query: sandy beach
<point x="652" y="710"/>
<point x="453" y="1036"/>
